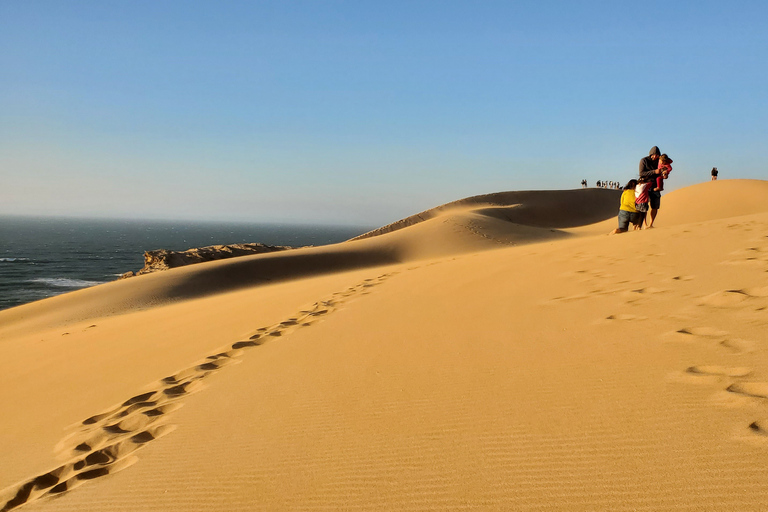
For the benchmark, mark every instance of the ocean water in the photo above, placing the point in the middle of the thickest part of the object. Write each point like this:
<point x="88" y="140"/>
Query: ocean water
<point x="43" y="257"/>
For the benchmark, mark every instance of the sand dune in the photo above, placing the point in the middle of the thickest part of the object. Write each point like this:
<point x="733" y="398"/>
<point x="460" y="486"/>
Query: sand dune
<point x="469" y="225"/>
<point x="716" y="200"/>
<point x="538" y="208"/>
<point x="448" y="364"/>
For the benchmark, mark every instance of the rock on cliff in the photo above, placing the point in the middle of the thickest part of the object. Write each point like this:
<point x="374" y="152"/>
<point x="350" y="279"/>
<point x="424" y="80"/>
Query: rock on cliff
<point x="163" y="259"/>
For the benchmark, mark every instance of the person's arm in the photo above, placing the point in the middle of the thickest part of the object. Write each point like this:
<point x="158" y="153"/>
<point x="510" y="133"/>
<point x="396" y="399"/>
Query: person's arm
<point x="645" y="172"/>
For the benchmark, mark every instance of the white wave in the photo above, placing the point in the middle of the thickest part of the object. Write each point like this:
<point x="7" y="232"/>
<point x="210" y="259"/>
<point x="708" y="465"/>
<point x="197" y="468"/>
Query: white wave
<point x="11" y="260"/>
<point x="63" y="282"/>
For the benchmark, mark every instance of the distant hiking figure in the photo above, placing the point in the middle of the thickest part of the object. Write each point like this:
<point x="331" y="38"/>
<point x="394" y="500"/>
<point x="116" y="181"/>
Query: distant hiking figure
<point x="583" y="183"/>
<point x="649" y="169"/>
<point x="627" y="211"/>
<point x="598" y="184"/>
<point x="714" y="174"/>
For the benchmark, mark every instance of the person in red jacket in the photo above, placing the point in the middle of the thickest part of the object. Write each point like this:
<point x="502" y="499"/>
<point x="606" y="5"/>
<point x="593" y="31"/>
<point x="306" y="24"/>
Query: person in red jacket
<point x="665" y="167"/>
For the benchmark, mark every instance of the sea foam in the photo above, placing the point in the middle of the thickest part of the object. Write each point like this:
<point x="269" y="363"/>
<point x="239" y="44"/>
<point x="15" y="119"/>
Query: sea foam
<point x="64" y="282"/>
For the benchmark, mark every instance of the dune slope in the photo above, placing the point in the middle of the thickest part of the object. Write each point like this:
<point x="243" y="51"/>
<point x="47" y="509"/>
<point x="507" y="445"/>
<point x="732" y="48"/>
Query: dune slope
<point x="537" y="208"/>
<point x="473" y="224"/>
<point x="585" y="373"/>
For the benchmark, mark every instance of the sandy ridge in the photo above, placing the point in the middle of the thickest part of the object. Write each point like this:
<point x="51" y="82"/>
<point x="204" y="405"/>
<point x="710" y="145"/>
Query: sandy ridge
<point x="535" y="208"/>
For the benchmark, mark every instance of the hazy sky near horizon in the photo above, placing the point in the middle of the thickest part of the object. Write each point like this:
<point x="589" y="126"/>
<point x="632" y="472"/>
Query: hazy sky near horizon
<point x="363" y="112"/>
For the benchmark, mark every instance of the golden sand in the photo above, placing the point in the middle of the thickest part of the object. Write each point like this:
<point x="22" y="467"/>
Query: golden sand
<point x="472" y="360"/>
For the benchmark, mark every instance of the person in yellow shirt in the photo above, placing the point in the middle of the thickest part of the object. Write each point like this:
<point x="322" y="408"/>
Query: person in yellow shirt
<point x="627" y="210"/>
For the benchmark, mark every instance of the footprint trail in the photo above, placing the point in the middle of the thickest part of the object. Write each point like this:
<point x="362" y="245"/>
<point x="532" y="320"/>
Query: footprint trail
<point x="105" y="443"/>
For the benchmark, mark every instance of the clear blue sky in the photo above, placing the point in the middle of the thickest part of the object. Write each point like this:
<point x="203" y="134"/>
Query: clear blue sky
<point x="363" y="112"/>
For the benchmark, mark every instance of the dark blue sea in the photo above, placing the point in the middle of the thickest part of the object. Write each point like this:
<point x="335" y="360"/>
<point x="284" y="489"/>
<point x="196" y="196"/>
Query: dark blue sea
<point x="43" y="257"/>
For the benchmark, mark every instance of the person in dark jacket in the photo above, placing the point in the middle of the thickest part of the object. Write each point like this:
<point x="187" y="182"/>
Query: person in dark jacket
<point x="649" y="169"/>
<point x="649" y="166"/>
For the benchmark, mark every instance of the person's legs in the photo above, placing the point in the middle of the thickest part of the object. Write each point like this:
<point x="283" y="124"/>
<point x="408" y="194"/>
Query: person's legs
<point x="653" y="216"/>
<point x="655" y="197"/>
<point x="644" y="220"/>
<point x="624" y="218"/>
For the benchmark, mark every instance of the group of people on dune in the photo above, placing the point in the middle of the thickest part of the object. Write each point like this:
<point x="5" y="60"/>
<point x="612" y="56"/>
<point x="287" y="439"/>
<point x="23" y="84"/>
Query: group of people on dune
<point x="603" y="184"/>
<point x="641" y="199"/>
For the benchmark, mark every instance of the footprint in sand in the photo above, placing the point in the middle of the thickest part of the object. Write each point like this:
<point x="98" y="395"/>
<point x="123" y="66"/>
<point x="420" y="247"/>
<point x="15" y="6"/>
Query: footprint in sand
<point x="582" y="296"/>
<point x="757" y="292"/>
<point x="587" y="275"/>
<point x="138" y="399"/>
<point x="738" y="345"/>
<point x="104" y="461"/>
<point x="691" y="333"/>
<point x="626" y="317"/>
<point x="725" y="299"/>
<point x="753" y="389"/>
<point x="749" y="303"/>
<point x="252" y="342"/>
<point x="104" y="443"/>
<point x="641" y="295"/>
<point x="759" y="427"/>
<point x="710" y="374"/>
<point x="757" y="390"/>
<point x="711" y="334"/>
<point x="648" y="291"/>
<point x="724" y="371"/>
<point x="755" y="256"/>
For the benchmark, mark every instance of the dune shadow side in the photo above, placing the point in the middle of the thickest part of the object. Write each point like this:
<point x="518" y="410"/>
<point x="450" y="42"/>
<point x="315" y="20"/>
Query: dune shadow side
<point x="285" y="266"/>
<point x="537" y="208"/>
<point x="558" y="209"/>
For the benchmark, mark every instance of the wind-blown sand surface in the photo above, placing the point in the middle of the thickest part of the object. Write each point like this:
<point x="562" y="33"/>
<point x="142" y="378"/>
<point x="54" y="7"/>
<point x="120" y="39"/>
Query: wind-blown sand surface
<point x="495" y="355"/>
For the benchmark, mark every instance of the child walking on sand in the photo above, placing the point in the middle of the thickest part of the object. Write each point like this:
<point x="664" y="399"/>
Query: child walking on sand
<point x="627" y="208"/>
<point x="642" y="199"/>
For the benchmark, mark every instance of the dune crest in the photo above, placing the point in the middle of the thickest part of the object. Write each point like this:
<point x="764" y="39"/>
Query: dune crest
<point x="537" y="208"/>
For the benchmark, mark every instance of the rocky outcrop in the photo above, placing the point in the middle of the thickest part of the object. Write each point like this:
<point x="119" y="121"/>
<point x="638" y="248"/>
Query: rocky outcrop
<point x="163" y="259"/>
